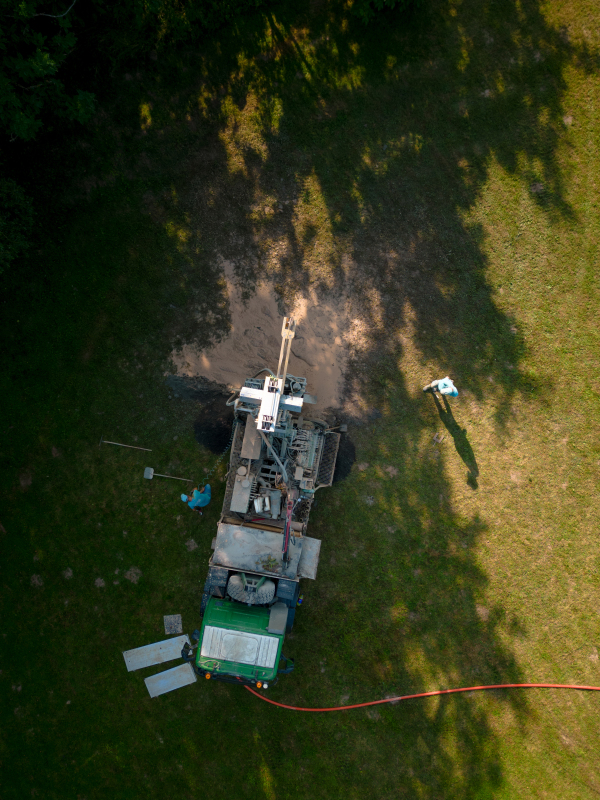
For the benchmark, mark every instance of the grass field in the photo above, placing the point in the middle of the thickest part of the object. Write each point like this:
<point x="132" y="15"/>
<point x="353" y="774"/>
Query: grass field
<point x="443" y="169"/>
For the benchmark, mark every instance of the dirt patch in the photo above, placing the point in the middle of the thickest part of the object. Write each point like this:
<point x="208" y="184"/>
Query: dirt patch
<point x="36" y="580"/>
<point x="99" y="583"/>
<point x="326" y="332"/>
<point x="133" y="574"/>
<point x="191" y="545"/>
<point x="25" y="480"/>
<point x="68" y="573"/>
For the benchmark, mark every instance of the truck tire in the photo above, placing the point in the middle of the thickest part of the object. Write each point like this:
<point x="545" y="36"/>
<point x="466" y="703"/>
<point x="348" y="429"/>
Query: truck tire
<point x="235" y="589"/>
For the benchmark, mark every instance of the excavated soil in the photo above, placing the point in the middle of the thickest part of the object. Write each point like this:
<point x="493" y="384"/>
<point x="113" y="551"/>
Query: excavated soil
<point x="326" y="334"/>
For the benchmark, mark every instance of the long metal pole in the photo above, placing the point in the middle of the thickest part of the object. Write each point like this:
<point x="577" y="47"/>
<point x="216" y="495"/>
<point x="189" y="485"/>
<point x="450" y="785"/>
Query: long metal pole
<point x="133" y="447"/>
<point x="282" y="349"/>
<point x="187" y="480"/>
<point x="288" y="351"/>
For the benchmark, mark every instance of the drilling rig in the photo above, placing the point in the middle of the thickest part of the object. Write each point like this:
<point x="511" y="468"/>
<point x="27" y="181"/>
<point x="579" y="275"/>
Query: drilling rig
<point x="279" y="458"/>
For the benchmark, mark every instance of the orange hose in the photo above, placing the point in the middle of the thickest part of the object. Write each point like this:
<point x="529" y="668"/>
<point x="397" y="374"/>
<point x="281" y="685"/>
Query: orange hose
<point x="433" y="694"/>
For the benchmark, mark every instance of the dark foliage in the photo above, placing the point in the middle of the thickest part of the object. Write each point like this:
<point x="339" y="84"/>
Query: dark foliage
<point x="46" y="48"/>
<point x="367" y="9"/>
<point x="16" y="222"/>
<point x="35" y="41"/>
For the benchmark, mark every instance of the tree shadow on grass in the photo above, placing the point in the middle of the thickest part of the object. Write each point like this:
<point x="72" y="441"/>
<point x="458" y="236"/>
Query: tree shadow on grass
<point x="459" y="436"/>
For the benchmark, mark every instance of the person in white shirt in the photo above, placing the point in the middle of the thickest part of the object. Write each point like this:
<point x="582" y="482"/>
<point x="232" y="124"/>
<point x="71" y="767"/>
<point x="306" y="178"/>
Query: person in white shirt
<point x="443" y="386"/>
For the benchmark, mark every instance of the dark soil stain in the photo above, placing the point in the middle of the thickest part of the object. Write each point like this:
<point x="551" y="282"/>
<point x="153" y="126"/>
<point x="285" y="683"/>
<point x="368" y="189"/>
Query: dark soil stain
<point x="212" y="427"/>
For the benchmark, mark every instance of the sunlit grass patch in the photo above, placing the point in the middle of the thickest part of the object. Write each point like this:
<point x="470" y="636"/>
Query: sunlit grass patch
<point x="244" y="136"/>
<point x="145" y="116"/>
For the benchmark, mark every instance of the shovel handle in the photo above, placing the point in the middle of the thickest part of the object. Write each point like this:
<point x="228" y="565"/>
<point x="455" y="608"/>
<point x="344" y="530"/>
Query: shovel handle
<point x="187" y="480"/>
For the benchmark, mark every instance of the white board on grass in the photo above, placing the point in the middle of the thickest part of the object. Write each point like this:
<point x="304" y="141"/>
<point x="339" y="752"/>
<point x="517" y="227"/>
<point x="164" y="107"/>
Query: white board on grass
<point x="156" y="653"/>
<point x="170" y="679"/>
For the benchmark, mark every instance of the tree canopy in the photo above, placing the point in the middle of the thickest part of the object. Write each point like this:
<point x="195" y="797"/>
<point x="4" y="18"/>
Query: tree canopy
<point x="50" y="51"/>
<point x="34" y="45"/>
<point x="37" y="37"/>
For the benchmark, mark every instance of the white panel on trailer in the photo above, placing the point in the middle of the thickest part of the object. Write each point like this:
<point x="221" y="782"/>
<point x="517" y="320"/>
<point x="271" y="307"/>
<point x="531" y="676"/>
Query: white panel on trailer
<point x="156" y="653"/>
<point x="239" y="647"/>
<point x="291" y="403"/>
<point x="278" y="618"/>
<point x="241" y="494"/>
<point x="268" y="652"/>
<point x="309" y="559"/>
<point x="252" y="442"/>
<point x="170" y="679"/>
<point x="248" y="549"/>
<point x="253" y="396"/>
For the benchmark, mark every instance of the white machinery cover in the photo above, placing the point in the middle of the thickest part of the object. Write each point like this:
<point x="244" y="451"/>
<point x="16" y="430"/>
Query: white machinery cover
<point x="240" y="647"/>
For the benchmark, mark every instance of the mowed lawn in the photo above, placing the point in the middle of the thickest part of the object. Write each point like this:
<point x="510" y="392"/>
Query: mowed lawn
<point x="440" y="167"/>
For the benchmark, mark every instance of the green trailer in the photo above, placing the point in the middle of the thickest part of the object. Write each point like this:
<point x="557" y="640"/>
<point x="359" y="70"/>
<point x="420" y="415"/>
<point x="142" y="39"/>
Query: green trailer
<point x="241" y="643"/>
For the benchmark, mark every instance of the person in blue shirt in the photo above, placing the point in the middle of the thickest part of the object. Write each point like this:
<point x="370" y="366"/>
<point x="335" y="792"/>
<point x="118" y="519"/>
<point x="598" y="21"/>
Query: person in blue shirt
<point x="443" y="386"/>
<point x="198" y="499"/>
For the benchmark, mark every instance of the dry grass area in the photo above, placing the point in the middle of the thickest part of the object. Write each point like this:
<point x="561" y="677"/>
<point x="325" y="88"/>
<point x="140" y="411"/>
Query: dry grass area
<point x="435" y="177"/>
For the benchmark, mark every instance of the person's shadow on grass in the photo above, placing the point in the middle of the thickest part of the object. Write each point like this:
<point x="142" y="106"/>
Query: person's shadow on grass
<point x="463" y="448"/>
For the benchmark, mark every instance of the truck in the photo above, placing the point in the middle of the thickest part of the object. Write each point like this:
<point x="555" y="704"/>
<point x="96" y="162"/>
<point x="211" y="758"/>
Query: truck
<point x="279" y="459"/>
